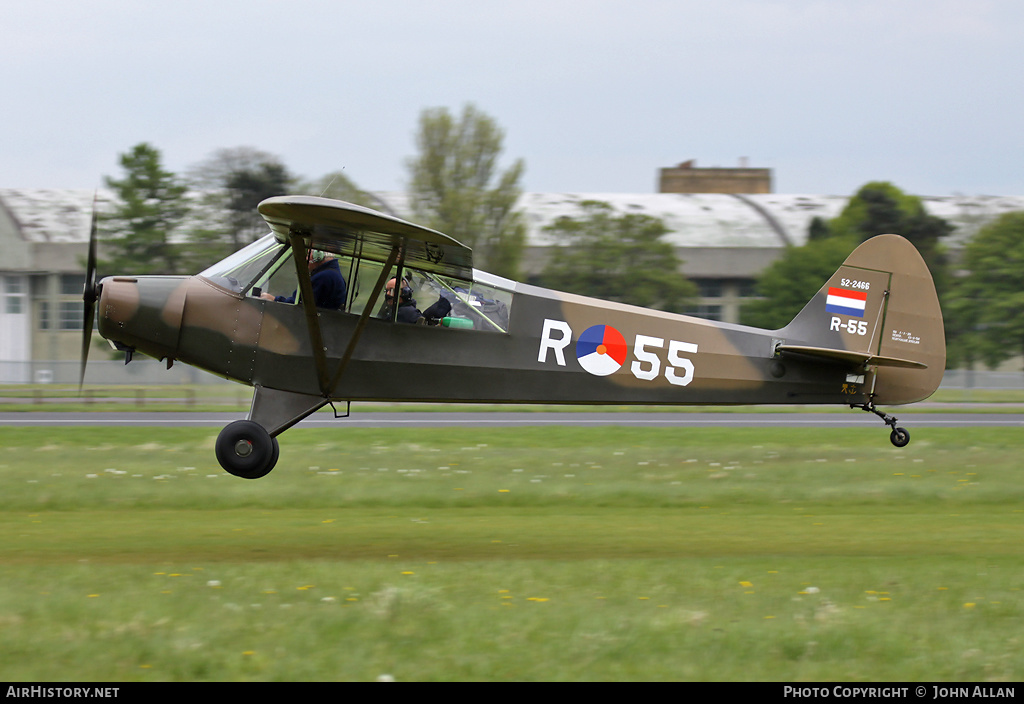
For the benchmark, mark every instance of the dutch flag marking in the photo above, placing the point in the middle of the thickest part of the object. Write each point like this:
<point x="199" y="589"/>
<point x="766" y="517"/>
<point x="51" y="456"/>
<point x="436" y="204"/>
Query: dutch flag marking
<point x="846" y="302"/>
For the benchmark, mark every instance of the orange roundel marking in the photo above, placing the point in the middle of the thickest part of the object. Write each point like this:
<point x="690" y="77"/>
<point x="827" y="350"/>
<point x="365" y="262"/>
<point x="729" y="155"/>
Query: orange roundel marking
<point x="601" y="349"/>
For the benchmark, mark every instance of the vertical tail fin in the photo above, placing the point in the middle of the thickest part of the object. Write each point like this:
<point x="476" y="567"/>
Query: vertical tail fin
<point x="879" y="310"/>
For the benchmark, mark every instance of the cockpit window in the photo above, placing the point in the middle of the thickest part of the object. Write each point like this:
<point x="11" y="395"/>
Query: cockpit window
<point x="264" y="266"/>
<point x="240" y="271"/>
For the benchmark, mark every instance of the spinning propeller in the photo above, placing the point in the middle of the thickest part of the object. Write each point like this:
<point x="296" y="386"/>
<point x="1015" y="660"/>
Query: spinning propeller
<point x="90" y="295"/>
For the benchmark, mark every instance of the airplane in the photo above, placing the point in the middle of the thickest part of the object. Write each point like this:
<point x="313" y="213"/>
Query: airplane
<point x="872" y="334"/>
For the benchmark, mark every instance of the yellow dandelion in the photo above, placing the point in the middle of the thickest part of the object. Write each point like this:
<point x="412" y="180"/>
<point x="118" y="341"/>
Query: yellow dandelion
<point x="746" y="584"/>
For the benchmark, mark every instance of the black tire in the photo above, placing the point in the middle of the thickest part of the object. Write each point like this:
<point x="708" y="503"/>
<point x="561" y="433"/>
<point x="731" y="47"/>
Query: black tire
<point x="899" y="437"/>
<point x="245" y="449"/>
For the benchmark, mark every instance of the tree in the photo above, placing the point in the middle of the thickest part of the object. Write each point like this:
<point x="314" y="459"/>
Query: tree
<point x="151" y="205"/>
<point x="791" y="281"/>
<point x="617" y="257"/>
<point x="879" y="208"/>
<point x="339" y="186"/>
<point x="232" y="183"/>
<point x="989" y="301"/>
<point x="247" y="188"/>
<point x="456" y="187"/>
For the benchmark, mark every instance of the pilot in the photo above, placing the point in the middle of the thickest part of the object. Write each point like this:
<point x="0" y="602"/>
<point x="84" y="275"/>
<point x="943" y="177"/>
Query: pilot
<point x="329" y="286"/>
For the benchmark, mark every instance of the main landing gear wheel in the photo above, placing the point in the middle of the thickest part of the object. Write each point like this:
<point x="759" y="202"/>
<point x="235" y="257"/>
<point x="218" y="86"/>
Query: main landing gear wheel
<point x="245" y="449"/>
<point x="899" y="437"/>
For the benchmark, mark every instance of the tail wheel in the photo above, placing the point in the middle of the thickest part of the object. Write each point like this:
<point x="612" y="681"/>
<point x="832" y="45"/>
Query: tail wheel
<point x="245" y="449"/>
<point x="899" y="437"/>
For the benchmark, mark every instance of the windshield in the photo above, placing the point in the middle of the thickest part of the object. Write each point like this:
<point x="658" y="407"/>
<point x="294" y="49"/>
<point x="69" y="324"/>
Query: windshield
<point x="239" y="271"/>
<point x="477" y="305"/>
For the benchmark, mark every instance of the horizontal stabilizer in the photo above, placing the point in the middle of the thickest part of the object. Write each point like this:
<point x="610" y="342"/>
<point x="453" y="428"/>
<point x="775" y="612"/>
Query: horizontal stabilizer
<point x="849" y="356"/>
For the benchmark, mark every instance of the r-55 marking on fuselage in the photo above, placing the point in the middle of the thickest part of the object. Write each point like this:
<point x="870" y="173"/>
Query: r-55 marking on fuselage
<point x="556" y="335"/>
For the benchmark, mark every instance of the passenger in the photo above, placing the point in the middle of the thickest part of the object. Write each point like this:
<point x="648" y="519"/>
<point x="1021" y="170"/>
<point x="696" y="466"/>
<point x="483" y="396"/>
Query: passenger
<point x="329" y="288"/>
<point x="407" y="310"/>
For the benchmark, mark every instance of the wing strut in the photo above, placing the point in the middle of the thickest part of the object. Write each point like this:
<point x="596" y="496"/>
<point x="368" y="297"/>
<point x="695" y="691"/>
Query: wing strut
<point x="316" y="338"/>
<point x="374" y="295"/>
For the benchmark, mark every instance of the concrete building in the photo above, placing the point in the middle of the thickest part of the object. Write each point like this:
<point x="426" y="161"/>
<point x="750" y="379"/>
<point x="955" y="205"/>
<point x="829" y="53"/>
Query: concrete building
<point x="43" y="246"/>
<point x="724" y="240"/>
<point x="688" y="178"/>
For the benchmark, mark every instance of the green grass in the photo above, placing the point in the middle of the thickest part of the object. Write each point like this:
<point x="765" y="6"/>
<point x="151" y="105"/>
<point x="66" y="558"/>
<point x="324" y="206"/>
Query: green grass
<point x="115" y="398"/>
<point x="526" y="554"/>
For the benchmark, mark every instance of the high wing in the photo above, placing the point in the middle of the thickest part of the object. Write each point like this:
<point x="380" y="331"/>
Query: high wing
<point x="352" y="230"/>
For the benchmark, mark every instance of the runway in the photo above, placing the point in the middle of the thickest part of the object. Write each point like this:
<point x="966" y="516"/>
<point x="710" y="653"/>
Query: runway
<point x="508" y="419"/>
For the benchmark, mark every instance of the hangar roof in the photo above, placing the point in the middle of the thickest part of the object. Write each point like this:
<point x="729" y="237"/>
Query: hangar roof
<point x="695" y="220"/>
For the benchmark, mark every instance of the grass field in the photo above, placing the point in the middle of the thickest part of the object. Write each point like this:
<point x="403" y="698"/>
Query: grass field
<point x="525" y="554"/>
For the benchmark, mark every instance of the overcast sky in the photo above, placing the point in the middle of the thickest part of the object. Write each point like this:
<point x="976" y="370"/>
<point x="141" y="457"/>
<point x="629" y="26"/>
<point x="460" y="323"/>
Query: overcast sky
<point x="594" y="95"/>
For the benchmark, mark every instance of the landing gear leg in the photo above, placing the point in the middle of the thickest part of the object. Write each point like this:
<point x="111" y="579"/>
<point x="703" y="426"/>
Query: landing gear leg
<point x="899" y="437"/>
<point x="245" y="449"/>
